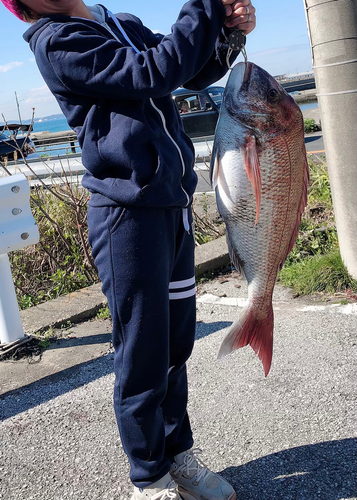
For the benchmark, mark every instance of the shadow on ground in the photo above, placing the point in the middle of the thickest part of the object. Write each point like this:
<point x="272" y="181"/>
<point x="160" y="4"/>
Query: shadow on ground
<point x="323" y="471"/>
<point x="204" y="329"/>
<point x="312" y="139"/>
<point x="62" y="343"/>
<point x="39" y="392"/>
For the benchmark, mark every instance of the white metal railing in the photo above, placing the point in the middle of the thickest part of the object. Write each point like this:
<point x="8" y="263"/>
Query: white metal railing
<point x="18" y="229"/>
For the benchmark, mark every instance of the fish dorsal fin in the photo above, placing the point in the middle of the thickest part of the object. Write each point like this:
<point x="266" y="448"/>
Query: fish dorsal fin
<point x="252" y="168"/>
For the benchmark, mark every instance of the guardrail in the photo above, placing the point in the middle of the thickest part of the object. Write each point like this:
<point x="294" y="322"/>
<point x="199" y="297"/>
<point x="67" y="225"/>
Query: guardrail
<point x="49" y="166"/>
<point x="53" y="144"/>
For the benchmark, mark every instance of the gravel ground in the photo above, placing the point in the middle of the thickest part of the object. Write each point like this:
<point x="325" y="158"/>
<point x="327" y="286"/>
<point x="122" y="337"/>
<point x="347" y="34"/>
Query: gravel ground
<point x="289" y="436"/>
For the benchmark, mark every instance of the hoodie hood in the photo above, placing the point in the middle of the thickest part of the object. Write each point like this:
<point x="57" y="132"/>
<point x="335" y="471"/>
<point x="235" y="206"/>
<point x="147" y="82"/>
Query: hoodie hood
<point x="13" y="7"/>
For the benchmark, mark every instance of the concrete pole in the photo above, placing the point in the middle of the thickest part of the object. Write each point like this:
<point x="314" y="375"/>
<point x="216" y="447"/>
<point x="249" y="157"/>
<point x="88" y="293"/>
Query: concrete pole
<point x="332" y="29"/>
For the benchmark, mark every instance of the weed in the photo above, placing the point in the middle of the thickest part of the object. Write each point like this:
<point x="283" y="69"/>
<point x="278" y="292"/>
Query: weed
<point x="45" y="343"/>
<point x="103" y="313"/>
<point x="320" y="273"/>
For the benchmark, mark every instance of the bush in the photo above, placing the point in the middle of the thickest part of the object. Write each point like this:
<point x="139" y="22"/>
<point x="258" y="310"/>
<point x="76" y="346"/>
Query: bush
<point x="310" y="126"/>
<point x="61" y="262"/>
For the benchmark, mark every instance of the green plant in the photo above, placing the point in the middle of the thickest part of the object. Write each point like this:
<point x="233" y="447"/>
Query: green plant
<point x="319" y="190"/>
<point x="103" y="313"/>
<point x="310" y="125"/>
<point x="61" y="262"/>
<point x="320" y="273"/>
<point x="45" y="343"/>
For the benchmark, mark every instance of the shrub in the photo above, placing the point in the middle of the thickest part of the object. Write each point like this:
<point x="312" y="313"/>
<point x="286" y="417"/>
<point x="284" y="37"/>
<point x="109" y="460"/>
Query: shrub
<point x="310" y="126"/>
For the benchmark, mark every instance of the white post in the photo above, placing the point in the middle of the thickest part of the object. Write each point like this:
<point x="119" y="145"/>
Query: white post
<point x="18" y="229"/>
<point x="10" y="321"/>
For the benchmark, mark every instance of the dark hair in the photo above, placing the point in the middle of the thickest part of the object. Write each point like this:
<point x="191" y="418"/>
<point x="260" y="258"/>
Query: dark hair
<point x="28" y="15"/>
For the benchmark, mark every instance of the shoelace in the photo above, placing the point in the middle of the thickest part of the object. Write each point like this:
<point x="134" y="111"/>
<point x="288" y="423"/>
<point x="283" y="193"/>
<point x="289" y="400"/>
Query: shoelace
<point x="193" y="463"/>
<point x="169" y="492"/>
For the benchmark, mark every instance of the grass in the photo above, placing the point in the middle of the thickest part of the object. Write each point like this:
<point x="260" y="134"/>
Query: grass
<point x="314" y="265"/>
<point x="321" y="273"/>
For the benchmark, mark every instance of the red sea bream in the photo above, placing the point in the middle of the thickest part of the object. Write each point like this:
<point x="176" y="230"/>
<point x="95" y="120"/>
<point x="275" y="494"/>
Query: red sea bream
<point x="260" y="174"/>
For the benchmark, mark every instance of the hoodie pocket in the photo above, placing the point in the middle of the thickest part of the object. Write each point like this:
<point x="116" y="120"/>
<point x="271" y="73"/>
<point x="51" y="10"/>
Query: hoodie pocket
<point x="168" y="170"/>
<point x="115" y="217"/>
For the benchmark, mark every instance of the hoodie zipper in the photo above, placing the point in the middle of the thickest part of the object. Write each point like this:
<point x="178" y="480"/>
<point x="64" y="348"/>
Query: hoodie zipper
<point x="163" y="120"/>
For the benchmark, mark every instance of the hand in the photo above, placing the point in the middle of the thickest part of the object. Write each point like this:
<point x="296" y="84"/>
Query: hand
<point x="240" y="13"/>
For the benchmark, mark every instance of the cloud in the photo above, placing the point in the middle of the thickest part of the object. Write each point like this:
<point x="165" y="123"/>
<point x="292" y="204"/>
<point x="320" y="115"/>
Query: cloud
<point x="279" y="50"/>
<point x="9" y="66"/>
<point x="39" y="95"/>
<point x="269" y="52"/>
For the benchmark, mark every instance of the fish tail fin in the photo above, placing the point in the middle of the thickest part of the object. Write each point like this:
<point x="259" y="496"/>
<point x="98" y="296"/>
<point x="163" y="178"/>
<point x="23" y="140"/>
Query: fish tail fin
<point x="253" y="330"/>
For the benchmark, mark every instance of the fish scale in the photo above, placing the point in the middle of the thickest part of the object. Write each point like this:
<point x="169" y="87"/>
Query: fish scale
<point x="260" y="174"/>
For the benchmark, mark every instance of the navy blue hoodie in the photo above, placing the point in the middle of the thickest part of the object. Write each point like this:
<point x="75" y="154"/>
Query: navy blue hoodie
<point x="113" y="82"/>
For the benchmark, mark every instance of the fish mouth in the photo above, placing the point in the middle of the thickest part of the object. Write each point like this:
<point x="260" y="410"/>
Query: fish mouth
<point x="242" y="73"/>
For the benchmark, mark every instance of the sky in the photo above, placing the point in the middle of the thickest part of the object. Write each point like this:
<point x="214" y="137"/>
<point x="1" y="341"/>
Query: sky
<point x="279" y="44"/>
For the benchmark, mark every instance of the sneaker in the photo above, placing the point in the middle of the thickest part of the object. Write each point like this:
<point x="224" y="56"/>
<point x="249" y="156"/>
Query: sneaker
<point x="196" y="482"/>
<point x="164" y="489"/>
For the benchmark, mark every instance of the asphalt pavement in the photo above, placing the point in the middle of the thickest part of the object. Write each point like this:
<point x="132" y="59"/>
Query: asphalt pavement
<point x="289" y="436"/>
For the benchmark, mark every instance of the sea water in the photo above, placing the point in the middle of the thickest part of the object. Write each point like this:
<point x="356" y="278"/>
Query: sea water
<point x="60" y="124"/>
<point x="51" y="125"/>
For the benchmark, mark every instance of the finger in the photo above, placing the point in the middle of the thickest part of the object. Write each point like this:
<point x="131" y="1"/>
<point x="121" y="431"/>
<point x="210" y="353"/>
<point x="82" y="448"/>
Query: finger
<point x="244" y="23"/>
<point x="228" y="10"/>
<point x="245" y="27"/>
<point x="243" y="10"/>
<point x="237" y="4"/>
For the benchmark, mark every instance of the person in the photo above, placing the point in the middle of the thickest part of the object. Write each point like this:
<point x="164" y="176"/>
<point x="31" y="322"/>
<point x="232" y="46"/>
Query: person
<point x="113" y="79"/>
<point x="184" y="107"/>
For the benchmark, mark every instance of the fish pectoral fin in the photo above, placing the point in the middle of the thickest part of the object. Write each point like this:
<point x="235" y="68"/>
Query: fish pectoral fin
<point x="214" y="168"/>
<point x="252" y="168"/>
<point x="215" y="171"/>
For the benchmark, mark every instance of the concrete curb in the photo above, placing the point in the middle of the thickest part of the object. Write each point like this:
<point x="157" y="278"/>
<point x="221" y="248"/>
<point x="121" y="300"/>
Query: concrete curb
<point x="85" y="303"/>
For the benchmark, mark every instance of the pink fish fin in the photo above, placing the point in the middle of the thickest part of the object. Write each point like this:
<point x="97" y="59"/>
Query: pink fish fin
<point x="215" y="164"/>
<point x="252" y="168"/>
<point x="236" y="260"/>
<point x="302" y="205"/>
<point x="253" y="330"/>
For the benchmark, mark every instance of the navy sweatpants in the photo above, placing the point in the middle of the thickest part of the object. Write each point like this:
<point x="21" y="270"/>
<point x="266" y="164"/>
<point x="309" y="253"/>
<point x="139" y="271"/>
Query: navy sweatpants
<point x="145" y="260"/>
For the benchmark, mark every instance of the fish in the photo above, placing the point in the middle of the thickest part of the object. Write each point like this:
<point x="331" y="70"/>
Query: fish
<point x="260" y="174"/>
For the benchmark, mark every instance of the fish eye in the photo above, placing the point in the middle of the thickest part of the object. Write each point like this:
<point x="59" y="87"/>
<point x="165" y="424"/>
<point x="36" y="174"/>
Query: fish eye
<point x="273" y="95"/>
